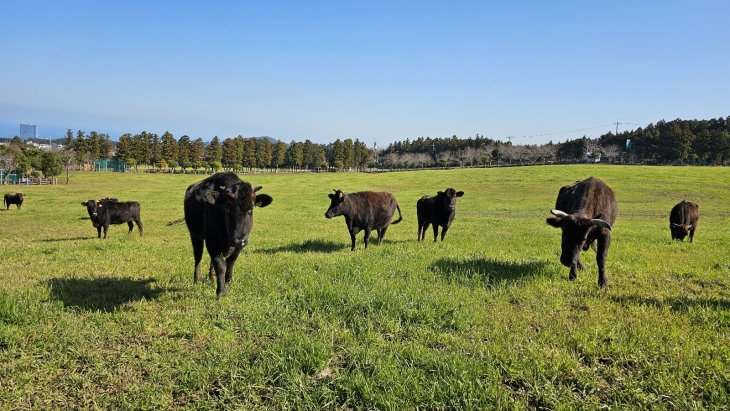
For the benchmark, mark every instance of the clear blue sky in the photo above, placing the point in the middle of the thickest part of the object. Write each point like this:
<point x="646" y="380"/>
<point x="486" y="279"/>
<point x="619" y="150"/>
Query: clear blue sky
<point x="380" y="71"/>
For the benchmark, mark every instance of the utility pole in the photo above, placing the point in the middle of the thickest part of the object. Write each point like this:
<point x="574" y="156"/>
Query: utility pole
<point x="617" y="123"/>
<point x="509" y="138"/>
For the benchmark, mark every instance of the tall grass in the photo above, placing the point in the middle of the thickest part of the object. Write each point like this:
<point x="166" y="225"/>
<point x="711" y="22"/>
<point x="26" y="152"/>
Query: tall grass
<point x="485" y="319"/>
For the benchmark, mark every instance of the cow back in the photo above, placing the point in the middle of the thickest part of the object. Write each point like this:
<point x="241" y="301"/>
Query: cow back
<point x="684" y="213"/>
<point x="371" y="209"/>
<point x="589" y="198"/>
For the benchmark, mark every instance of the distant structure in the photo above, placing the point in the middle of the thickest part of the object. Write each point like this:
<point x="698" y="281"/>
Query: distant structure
<point x="28" y="131"/>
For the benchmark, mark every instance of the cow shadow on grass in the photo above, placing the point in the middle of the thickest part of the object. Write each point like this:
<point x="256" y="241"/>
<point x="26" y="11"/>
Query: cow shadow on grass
<point x="105" y="294"/>
<point x="487" y="271"/>
<point x="54" y="240"/>
<point x="676" y="304"/>
<point x="308" y="246"/>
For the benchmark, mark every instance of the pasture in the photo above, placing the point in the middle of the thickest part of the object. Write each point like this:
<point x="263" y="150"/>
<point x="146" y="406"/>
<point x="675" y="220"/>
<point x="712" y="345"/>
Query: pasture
<point x="486" y="319"/>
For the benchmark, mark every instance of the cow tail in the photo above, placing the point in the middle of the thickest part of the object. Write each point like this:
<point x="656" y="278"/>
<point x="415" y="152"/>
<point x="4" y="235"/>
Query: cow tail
<point x="178" y="221"/>
<point x="400" y="216"/>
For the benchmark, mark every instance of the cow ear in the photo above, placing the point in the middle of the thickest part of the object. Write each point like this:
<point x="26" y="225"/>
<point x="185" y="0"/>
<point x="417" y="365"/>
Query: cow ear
<point x="257" y="188"/>
<point x="230" y="192"/>
<point x="459" y="193"/>
<point x="554" y="221"/>
<point x="211" y="196"/>
<point x="440" y="194"/>
<point x="84" y="203"/>
<point x="331" y="196"/>
<point x="262" y="200"/>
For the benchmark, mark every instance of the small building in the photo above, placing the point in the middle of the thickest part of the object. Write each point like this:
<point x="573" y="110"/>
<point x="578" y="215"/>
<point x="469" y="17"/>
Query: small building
<point x="104" y="164"/>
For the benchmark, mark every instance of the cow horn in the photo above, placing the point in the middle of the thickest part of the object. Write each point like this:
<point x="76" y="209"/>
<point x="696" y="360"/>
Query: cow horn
<point x="689" y="227"/>
<point x="335" y="190"/>
<point x="558" y="213"/>
<point x="600" y="223"/>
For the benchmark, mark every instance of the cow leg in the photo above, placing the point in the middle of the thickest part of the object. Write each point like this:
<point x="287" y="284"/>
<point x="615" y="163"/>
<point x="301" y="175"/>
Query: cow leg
<point x="131" y="227"/>
<point x="211" y="271"/>
<point x="367" y="237"/>
<point x="604" y="242"/>
<point x="381" y="234"/>
<point x="577" y="266"/>
<point x="197" y="255"/>
<point x="353" y="233"/>
<point x="443" y="232"/>
<point x="220" y="271"/>
<point x="422" y="228"/>
<point x="691" y="235"/>
<point x="106" y="228"/>
<point x="230" y="262"/>
<point x="435" y="232"/>
<point x="139" y="226"/>
<point x="98" y="231"/>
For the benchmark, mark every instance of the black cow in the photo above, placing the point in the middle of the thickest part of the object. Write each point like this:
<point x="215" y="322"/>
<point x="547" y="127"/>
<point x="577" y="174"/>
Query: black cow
<point x="364" y="210"/>
<point x="16" y="199"/>
<point x="439" y="211"/>
<point x="110" y="211"/>
<point x="585" y="212"/>
<point x="683" y="220"/>
<point x="219" y="214"/>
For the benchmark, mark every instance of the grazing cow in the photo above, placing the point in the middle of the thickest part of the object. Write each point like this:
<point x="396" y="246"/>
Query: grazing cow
<point x="109" y="211"/>
<point x="219" y="214"/>
<point x="585" y="212"/>
<point x="16" y="199"/>
<point x="439" y="211"/>
<point x="365" y="210"/>
<point x="683" y="220"/>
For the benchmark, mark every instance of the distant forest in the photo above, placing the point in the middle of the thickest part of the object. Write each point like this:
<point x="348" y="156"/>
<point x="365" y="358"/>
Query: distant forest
<point x="678" y="141"/>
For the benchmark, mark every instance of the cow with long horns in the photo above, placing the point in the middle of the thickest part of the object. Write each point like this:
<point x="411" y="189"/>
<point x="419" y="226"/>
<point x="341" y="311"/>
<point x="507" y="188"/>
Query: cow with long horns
<point x="585" y="212"/>
<point x="366" y="211"/>
<point x="683" y="220"/>
<point x="219" y="214"/>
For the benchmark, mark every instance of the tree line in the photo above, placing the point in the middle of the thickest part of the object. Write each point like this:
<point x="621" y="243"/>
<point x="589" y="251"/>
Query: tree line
<point x="235" y="154"/>
<point x="682" y="141"/>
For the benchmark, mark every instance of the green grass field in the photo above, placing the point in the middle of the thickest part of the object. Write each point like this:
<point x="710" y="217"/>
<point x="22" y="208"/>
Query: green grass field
<point x="485" y="320"/>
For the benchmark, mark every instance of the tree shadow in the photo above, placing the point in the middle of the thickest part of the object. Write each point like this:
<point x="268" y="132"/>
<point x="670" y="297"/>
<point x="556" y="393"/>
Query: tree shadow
<point x="105" y="294"/>
<point x="677" y="304"/>
<point x="487" y="271"/>
<point x="308" y="246"/>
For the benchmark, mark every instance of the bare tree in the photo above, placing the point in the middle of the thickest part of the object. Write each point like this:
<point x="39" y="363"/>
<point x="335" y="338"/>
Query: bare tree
<point x="390" y="159"/>
<point x="470" y="155"/>
<point x="421" y="158"/>
<point x="546" y="152"/>
<point x="592" y="147"/>
<point x="8" y="163"/>
<point x="611" y="151"/>
<point x="67" y="159"/>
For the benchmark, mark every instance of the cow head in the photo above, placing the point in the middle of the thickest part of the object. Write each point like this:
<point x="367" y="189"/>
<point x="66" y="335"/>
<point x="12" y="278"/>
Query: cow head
<point x="238" y="201"/>
<point x="449" y="198"/>
<point x="336" y="205"/>
<point x="679" y="231"/>
<point x="575" y="233"/>
<point x="92" y="207"/>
